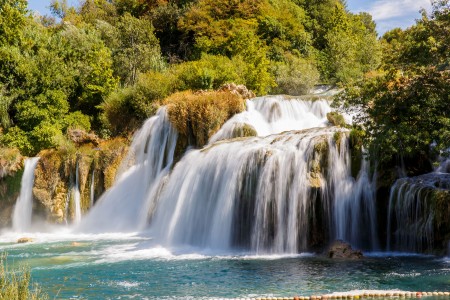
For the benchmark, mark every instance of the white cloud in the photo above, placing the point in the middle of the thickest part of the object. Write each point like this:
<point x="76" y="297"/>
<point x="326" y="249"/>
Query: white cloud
<point x="388" y="9"/>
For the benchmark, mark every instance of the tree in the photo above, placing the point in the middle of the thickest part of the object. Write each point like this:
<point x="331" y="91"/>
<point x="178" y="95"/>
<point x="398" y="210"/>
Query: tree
<point x="404" y="115"/>
<point x="90" y="66"/>
<point x="424" y="44"/>
<point x="138" y="51"/>
<point x="12" y="20"/>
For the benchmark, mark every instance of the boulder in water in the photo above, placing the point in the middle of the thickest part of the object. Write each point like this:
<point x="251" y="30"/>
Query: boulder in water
<point x="24" y="240"/>
<point x="340" y="249"/>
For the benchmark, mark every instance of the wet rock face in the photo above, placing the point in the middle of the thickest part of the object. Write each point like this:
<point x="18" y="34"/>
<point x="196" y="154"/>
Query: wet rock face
<point x="11" y="169"/>
<point x="342" y="250"/>
<point x="56" y="172"/>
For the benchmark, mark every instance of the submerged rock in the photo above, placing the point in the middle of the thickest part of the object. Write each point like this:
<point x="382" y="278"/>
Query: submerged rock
<point x="340" y="249"/>
<point x="24" y="240"/>
<point x="244" y="130"/>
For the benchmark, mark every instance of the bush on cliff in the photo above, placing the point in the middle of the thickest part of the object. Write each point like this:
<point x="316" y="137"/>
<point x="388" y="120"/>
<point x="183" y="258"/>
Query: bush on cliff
<point x="197" y="116"/>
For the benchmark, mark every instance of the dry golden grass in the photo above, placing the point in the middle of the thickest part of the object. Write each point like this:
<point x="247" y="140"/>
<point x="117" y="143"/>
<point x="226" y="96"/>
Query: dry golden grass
<point x="197" y="116"/>
<point x="15" y="285"/>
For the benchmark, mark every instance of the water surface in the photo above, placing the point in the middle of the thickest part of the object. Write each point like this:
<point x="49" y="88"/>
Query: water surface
<point x="131" y="266"/>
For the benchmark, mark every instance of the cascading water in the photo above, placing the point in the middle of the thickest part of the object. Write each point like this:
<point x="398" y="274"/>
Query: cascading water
<point x="92" y="189"/>
<point x="444" y="166"/>
<point x="264" y="193"/>
<point x="77" y="196"/>
<point x="21" y="218"/>
<point x="413" y="206"/>
<point x="272" y="193"/>
<point x="125" y="206"/>
<point x="354" y="201"/>
<point x="275" y="114"/>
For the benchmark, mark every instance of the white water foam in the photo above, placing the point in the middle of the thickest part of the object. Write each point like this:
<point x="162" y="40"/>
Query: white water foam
<point x="22" y="214"/>
<point x="275" y="114"/>
<point x="125" y="206"/>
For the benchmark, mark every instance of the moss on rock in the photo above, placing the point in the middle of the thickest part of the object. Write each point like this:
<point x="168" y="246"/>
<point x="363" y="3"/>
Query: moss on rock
<point x="336" y="119"/>
<point x="244" y="130"/>
<point x="318" y="162"/>
<point x="55" y="176"/>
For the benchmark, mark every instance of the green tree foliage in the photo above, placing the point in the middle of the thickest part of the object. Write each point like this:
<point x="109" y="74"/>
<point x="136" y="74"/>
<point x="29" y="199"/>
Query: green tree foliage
<point x="53" y="81"/>
<point x="138" y="50"/>
<point x="426" y="43"/>
<point x="90" y="66"/>
<point x="209" y="72"/>
<point x="406" y="111"/>
<point x="295" y="76"/>
<point x="12" y="20"/>
<point x="107" y="65"/>
<point x="125" y="109"/>
<point x="352" y="48"/>
<point x="404" y="115"/>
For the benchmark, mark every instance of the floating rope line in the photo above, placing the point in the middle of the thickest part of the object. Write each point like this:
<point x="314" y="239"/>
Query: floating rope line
<point x="365" y="295"/>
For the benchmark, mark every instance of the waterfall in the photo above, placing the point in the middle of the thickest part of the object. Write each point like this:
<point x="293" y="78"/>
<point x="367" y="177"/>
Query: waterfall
<point x="21" y="218"/>
<point x="66" y="212"/>
<point x="275" y="114"/>
<point x="415" y="208"/>
<point x="412" y="212"/>
<point x="271" y="193"/>
<point x="287" y="189"/>
<point x="125" y="206"/>
<point x="77" y="195"/>
<point x="354" y="201"/>
<point x="444" y="166"/>
<point x="92" y="189"/>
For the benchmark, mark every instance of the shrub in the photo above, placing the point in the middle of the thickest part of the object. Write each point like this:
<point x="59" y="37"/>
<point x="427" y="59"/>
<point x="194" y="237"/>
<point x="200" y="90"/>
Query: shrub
<point x="76" y="120"/>
<point x="17" y="138"/>
<point x="16" y="285"/>
<point x="198" y="116"/>
<point x="125" y="109"/>
<point x="210" y="72"/>
<point x="336" y="119"/>
<point x="296" y="76"/>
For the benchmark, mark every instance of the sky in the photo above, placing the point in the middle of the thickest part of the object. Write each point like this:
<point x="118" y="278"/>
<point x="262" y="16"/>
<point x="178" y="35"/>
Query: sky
<point x="388" y="14"/>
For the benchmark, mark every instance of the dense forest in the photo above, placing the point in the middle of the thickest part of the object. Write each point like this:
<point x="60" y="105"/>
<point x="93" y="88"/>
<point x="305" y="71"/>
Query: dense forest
<point x="105" y="66"/>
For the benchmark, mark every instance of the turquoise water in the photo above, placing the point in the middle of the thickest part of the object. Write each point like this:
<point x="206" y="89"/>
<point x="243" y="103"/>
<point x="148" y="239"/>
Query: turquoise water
<point x="132" y="267"/>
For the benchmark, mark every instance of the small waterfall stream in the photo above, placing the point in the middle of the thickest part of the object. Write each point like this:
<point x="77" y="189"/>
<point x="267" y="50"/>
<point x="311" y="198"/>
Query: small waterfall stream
<point x="77" y="196"/>
<point x="125" y="206"/>
<point x="92" y="190"/>
<point x="22" y="214"/>
<point x="413" y="204"/>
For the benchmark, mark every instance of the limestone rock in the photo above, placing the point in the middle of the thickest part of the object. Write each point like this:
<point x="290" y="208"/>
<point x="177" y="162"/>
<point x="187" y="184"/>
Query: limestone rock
<point x="11" y="161"/>
<point x="244" y="130"/>
<point x="79" y="137"/>
<point x="342" y="250"/>
<point x="238" y="89"/>
<point x="24" y="240"/>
